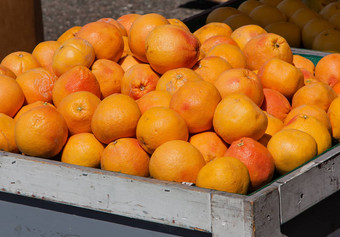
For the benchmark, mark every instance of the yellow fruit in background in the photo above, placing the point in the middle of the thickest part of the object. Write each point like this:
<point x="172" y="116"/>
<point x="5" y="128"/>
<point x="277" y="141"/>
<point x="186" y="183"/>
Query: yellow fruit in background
<point x="226" y="174"/>
<point x="247" y="6"/>
<point x="266" y="15"/>
<point x="237" y="20"/>
<point x="335" y="20"/>
<point x="288" y="30"/>
<point x="317" y="5"/>
<point x="289" y="7"/>
<point x="312" y="29"/>
<point x="302" y="16"/>
<point x="327" y="40"/>
<point x="220" y="14"/>
<point x="271" y="2"/>
<point x="330" y="9"/>
<point x="291" y="148"/>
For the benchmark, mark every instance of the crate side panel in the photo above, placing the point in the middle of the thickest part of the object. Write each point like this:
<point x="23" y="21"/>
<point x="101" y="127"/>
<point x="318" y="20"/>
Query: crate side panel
<point x="130" y="196"/>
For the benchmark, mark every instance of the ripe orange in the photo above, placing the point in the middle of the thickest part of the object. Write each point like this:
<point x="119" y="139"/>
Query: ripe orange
<point x="82" y="149"/>
<point x="244" y="33"/>
<point x="154" y="99"/>
<point x="127" y="20"/>
<point x="159" y="125"/>
<point x="247" y="6"/>
<point x="303" y="62"/>
<point x="274" y="125"/>
<point x="105" y="38"/>
<point x="211" y="67"/>
<point x="288" y="30"/>
<point x="334" y="117"/>
<point x="41" y="131"/>
<point x="238" y="116"/>
<point x="238" y="20"/>
<point x="196" y="102"/>
<point x="264" y="47"/>
<point x="138" y="80"/>
<point x="219" y="14"/>
<point x="328" y="69"/>
<point x="240" y="80"/>
<point x="7" y="140"/>
<point x="116" y="23"/>
<point x="308" y="77"/>
<point x="11" y="96"/>
<point x="226" y="174"/>
<point x="177" y="161"/>
<point x="128" y="61"/>
<point x="212" y="29"/>
<point x="72" y="52"/>
<point x="291" y="148"/>
<point x="256" y="157"/>
<point x="173" y="79"/>
<point x="178" y="22"/>
<point x="275" y="103"/>
<point x="266" y="14"/>
<point x="116" y="117"/>
<point x="168" y="47"/>
<point x="109" y="75"/>
<point x="6" y="72"/>
<point x="231" y="53"/>
<point x="68" y="34"/>
<point x="209" y="144"/>
<point x="37" y="85"/>
<point x="27" y="107"/>
<point x="126" y="156"/>
<point x="140" y="30"/>
<point x="79" y="78"/>
<point x="279" y="75"/>
<point x="77" y="109"/>
<point x="216" y="40"/>
<point x="43" y="52"/>
<point x="19" y="62"/>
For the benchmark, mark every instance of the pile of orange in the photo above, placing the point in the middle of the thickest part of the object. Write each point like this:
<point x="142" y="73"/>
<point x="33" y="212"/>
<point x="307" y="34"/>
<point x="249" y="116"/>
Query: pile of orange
<point x="142" y="95"/>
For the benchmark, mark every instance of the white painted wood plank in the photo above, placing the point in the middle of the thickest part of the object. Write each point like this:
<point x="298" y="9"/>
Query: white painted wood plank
<point x="309" y="184"/>
<point x="142" y="198"/>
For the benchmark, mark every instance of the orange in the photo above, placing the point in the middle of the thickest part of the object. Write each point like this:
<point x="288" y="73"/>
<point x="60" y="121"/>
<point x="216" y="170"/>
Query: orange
<point x="256" y="157"/>
<point x="211" y="67"/>
<point x="128" y="61"/>
<point x="177" y="161"/>
<point x="77" y="109"/>
<point x="336" y="88"/>
<point x="109" y="75"/>
<point x="289" y="7"/>
<point x="209" y="144"/>
<point x="247" y="6"/>
<point x="127" y="20"/>
<point x="317" y="93"/>
<point x="212" y="29"/>
<point x="308" y="77"/>
<point x="7" y="140"/>
<point x="37" y="85"/>
<point x="140" y="30"/>
<point x="68" y="34"/>
<point x="328" y="69"/>
<point x="126" y="156"/>
<point x="238" y="20"/>
<point x="82" y="149"/>
<point x="317" y="5"/>
<point x="168" y="47"/>
<point x="126" y="50"/>
<point x="279" y="75"/>
<point x="300" y="61"/>
<point x="6" y="72"/>
<point x="173" y="79"/>
<point x="266" y="14"/>
<point x="330" y="9"/>
<point x="138" y="80"/>
<point x="271" y="2"/>
<point x="115" y="117"/>
<point x="27" y="107"/>
<point x="334" y="118"/>
<point x="288" y="30"/>
<point x="302" y="16"/>
<point x="219" y="14"/>
<point x="266" y="46"/>
<point x="327" y="40"/>
<point x="117" y="24"/>
<point x="11" y="96"/>
<point x="72" y="52"/>
<point x="313" y="127"/>
<point x="240" y="80"/>
<point x="43" y="52"/>
<point x="231" y="53"/>
<point x="335" y="20"/>
<point x="154" y="99"/>
<point x="226" y="174"/>
<point x="291" y="148"/>
<point x="215" y="40"/>
<point x="309" y="110"/>
<point x="78" y="78"/>
<point x="244" y="33"/>
<point x="196" y="102"/>
<point x="275" y="104"/>
<point x="238" y="116"/>
<point x="178" y="22"/>
<point x="159" y="125"/>
<point x="105" y="38"/>
<point x="312" y="28"/>
<point x="274" y="125"/>
<point x="41" y="131"/>
<point x="19" y="62"/>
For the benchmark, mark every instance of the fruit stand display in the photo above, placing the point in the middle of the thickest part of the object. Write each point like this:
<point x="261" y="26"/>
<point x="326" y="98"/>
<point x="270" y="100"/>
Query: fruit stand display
<point x="191" y="127"/>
